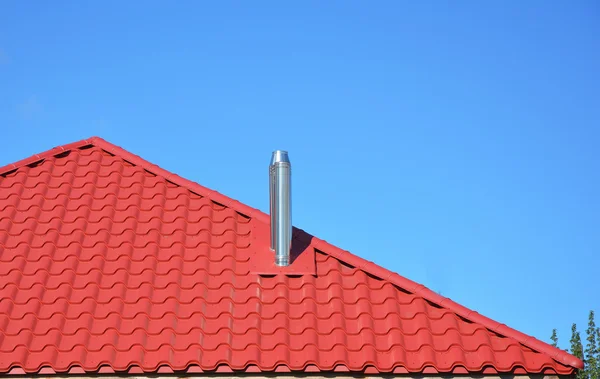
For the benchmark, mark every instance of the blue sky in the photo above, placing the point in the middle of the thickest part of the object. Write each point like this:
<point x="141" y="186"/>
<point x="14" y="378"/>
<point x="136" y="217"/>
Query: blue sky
<point x="456" y="144"/>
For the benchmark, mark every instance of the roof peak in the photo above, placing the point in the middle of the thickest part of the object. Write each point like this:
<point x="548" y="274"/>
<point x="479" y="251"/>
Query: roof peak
<point x="319" y="244"/>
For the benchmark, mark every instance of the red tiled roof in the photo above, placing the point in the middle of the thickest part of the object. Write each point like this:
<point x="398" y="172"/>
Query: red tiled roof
<point x="111" y="264"/>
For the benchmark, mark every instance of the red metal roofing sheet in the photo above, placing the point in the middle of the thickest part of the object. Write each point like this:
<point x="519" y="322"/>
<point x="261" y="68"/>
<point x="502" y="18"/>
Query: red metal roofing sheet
<point x="111" y="264"/>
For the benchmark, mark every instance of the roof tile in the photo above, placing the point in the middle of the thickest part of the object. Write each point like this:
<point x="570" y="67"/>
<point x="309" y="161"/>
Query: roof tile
<point x="111" y="264"/>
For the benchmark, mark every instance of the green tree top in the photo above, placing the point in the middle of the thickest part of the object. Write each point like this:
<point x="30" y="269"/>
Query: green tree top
<point x="591" y="350"/>
<point x="554" y="338"/>
<point x="577" y="348"/>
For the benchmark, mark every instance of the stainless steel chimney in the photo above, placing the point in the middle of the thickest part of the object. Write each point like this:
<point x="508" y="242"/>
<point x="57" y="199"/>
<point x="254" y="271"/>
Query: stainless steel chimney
<point x="280" y="193"/>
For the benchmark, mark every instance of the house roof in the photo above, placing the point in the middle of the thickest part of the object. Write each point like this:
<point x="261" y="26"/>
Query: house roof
<point x="109" y="263"/>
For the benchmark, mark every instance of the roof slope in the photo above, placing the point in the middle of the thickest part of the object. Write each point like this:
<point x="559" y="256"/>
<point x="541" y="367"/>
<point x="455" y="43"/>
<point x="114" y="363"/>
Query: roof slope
<point x="111" y="264"/>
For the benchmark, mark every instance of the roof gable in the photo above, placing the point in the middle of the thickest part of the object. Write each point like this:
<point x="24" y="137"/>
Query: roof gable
<point x="111" y="264"/>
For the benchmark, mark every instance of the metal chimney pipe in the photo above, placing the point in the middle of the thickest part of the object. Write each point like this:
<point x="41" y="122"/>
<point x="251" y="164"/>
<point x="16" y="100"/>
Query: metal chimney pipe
<point x="280" y="193"/>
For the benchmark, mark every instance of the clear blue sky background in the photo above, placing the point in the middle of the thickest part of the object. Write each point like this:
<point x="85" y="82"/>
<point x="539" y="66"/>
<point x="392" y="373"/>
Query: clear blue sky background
<point x="456" y="144"/>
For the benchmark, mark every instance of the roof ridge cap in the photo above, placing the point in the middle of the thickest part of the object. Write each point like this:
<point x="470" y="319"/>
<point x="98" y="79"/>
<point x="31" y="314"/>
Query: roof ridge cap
<point x="372" y="268"/>
<point x="46" y="154"/>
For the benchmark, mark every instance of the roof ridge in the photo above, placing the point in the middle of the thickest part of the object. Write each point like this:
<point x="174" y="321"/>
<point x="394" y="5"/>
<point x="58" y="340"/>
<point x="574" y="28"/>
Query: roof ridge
<point x="46" y="154"/>
<point x="557" y="354"/>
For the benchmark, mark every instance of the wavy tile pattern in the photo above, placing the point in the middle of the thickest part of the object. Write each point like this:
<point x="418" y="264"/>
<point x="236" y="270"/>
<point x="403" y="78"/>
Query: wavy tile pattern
<point x="107" y="267"/>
